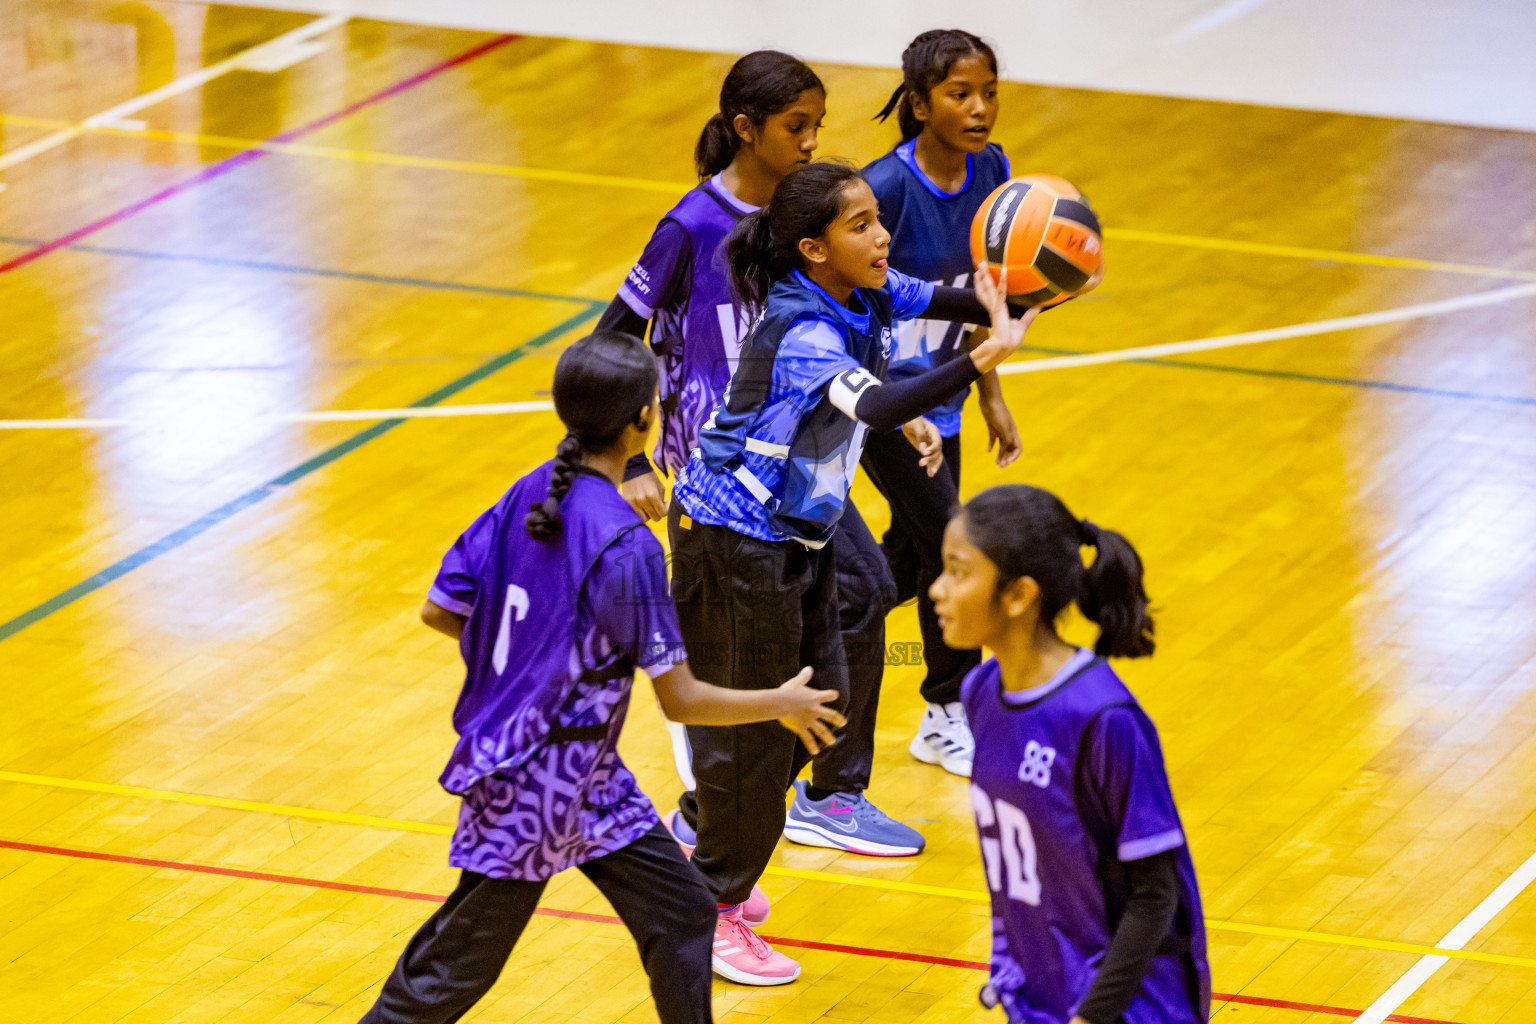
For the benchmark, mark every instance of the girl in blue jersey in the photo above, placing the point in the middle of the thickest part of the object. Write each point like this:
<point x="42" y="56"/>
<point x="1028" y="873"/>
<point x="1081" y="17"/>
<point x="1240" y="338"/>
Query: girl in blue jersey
<point x="929" y="189"/>
<point x="544" y="700"/>
<point x="764" y="492"/>
<point x="771" y="106"/>
<point x="1095" y="909"/>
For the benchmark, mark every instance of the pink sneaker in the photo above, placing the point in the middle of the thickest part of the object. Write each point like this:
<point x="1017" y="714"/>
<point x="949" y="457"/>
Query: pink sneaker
<point x="757" y="908"/>
<point x="755" y="911"/>
<point x="740" y="956"/>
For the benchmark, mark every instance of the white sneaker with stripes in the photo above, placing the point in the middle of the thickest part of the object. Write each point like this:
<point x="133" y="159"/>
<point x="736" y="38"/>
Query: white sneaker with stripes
<point x="945" y="739"/>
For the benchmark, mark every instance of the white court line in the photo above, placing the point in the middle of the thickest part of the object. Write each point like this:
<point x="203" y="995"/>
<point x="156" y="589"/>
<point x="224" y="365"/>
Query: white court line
<point x="1456" y="938"/>
<point x="1343" y="323"/>
<point x="320" y="416"/>
<point x="1387" y="316"/>
<point x="262" y="55"/>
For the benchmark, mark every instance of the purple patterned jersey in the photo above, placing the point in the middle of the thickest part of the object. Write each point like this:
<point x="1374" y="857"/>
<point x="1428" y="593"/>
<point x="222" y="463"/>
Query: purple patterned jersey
<point x="1068" y="786"/>
<point x="681" y="283"/>
<point x="553" y="634"/>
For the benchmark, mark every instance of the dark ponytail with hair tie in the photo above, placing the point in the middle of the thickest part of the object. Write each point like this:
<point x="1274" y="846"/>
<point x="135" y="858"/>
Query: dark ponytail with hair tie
<point x="890" y="104"/>
<point x="1026" y="531"/>
<point x="762" y="83"/>
<point x="925" y="63"/>
<point x="1088" y="534"/>
<point x="765" y="246"/>
<point x="602" y="385"/>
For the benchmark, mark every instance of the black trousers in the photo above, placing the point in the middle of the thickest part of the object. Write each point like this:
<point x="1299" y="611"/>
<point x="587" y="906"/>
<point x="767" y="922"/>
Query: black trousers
<point x="866" y="591"/>
<point x="752" y="613"/>
<point x="920" y="509"/>
<point x="456" y="957"/>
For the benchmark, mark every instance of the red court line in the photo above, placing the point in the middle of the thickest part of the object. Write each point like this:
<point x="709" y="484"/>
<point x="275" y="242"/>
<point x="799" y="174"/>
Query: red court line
<point x="577" y="915"/>
<point x="244" y="157"/>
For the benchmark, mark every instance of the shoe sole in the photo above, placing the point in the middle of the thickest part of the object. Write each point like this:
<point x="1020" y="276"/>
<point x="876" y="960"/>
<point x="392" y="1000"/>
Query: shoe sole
<point x="730" y="973"/>
<point x="807" y="834"/>
<point x="924" y="753"/>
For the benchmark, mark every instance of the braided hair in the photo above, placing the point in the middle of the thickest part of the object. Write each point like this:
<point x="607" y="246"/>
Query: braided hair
<point x="925" y="63"/>
<point x="1026" y="531"/>
<point x="758" y="85"/>
<point x="602" y="384"/>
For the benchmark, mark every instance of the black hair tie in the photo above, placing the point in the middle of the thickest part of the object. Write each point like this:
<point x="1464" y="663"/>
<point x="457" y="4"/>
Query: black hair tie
<point x="1088" y="533"/>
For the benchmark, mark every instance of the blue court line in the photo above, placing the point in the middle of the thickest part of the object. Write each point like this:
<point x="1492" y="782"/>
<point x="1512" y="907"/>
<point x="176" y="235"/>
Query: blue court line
<point x="176" y="539"/>
<point x="519" y="293"/>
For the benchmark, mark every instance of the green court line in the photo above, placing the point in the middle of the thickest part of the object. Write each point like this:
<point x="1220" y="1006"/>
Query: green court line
<point x="255" y="495"/>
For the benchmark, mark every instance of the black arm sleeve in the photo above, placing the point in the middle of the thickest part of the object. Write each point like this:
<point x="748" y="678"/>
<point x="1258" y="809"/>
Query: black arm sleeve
<point x="619" y="317"/>
<point x="638" y="465"/>
<point x="1149" y="910"/>
<point x="891" y="404"/>
<point x="962" y="306"/>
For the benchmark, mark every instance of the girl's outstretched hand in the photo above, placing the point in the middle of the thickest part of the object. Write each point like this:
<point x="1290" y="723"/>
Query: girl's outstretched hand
<point x="925" y="437"/>
<point x="1007" y="333"/>
<point x="806" y="713"/>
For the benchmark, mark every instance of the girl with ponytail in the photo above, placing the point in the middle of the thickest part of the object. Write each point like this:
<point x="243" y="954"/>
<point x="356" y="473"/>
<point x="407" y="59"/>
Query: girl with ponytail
<point x="929" y="188"/>
<point x="771" y="106"/>
<point x="770" y="110"/>
<point x="556" y="595"/>
<point x="1069" y="788"/>
<point x="767" y="546"/>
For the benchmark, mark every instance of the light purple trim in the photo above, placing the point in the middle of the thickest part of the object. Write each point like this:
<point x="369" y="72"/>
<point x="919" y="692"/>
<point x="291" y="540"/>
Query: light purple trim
<point x="1139" y="849"/>
<point x="729" y="196"/>
<point x="633" y="302"/>
<point x="442" y="600"/>
<point x="661" y="668"/>
<point x="1074" y="665"/>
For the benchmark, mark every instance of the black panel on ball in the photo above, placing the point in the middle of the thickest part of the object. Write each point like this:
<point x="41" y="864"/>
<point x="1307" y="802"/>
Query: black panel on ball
<point x="1058" y="271"/>
<point x="1000" y="221"/>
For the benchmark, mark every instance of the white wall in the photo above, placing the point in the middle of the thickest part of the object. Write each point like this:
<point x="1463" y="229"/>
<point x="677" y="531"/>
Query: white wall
<point x="1459" y="61"/>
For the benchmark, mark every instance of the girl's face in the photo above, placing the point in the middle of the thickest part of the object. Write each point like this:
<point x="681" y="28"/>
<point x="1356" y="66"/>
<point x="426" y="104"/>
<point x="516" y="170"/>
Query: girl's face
<point x="961" y="110"/>
<point x="787" y="139"/>
<point x="964" y="595"/>
<point x="852" y="252"/>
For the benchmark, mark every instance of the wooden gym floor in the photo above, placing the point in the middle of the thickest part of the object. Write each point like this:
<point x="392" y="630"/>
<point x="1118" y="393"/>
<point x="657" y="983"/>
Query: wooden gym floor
<point x="222" y="723"/>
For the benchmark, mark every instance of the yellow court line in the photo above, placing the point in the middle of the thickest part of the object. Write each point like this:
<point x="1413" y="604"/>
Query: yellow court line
<point x="396" y="824"/>
<point x="1304" y="253"/>
<point x="678" y="188"/>
<point x="368" y="157"/>
<point x="199" y="799"/>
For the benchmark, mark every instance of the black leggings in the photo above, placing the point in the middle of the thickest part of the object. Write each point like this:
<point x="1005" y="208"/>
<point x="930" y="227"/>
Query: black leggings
<point x="455" y="957"/>
<point x="752" y="612"/>
<point x="920" y="509"/>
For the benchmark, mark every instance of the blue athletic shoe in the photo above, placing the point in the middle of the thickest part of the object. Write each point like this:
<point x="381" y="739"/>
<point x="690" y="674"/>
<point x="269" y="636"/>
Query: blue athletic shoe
<point x="847" y="821"/>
